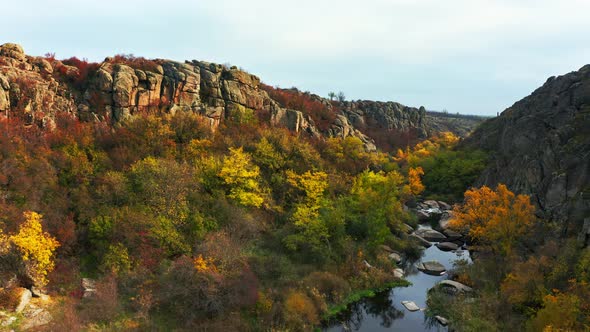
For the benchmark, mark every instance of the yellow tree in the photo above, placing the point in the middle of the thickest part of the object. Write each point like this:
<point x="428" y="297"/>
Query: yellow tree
<point x="36" y="247"/>
<point x="241" y="176"/>
<point x="313" y="185"/>
<point x="312" y="231"/>
<point x="497" y="218"/>
<point x="415" y="181"/>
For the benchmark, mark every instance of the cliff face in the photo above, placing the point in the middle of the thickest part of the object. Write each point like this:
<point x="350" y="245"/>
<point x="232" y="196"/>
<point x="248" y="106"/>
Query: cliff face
<point x="541" y="147"/>
<point x="37" y="88"/>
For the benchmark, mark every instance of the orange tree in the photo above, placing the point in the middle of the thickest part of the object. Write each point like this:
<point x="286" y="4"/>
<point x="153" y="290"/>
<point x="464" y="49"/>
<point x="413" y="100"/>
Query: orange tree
<point x="497" y="218"/>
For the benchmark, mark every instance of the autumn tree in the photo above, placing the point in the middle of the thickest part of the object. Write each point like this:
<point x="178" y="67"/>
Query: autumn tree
<point x="36" y="247"/>
<point x="497" y="218"/>
<point x="241" y="176"/>
<point x="415" y="181"/>
<point x="311" y="230"/>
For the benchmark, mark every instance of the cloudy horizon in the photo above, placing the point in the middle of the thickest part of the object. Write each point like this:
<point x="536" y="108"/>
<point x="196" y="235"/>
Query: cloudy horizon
<point x="466" y="56"/>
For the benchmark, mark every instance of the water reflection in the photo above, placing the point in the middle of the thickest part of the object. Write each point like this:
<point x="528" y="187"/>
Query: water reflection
<point x="380" y="309"/>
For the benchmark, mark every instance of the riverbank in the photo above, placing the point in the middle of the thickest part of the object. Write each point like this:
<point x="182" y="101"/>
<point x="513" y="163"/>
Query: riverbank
<point x="359" y="295"/>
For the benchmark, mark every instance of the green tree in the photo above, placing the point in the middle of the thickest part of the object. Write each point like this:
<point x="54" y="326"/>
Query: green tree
<point x="374" y="206"/>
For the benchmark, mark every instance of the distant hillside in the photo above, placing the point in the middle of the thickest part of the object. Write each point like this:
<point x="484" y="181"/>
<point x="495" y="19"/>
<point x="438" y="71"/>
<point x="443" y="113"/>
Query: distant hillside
<point x="460" y="124"/>
<point x="35" y="88"/>
<point x="541" y="147"/>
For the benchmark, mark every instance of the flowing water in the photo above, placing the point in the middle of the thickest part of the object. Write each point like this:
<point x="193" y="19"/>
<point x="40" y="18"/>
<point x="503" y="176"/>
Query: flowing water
<point x="385" y="312"/>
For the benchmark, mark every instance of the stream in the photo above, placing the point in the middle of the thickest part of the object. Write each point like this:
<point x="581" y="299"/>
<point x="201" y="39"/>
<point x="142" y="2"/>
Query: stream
<point x="385" y="311"/>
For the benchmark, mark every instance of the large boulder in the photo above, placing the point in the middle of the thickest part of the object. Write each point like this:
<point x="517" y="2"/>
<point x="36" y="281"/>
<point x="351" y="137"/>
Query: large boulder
<point x="431" y="267"/>
<point x="442" y="321"/>
<point x="410" y="305"/>
<point x="430" y="235"/>
<point x="454" y="287"/>
<point x="452" y="235"/>
<point x="432" y="204"/>
<point x="445" y="219"/>
<point x="421" y="241"/>
<point x="23" y="299"/>
<point x="447" y="246"/>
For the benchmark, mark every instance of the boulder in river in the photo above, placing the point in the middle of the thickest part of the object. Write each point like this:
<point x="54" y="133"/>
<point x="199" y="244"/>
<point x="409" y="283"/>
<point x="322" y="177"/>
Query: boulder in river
<point x="443" y="321"/>
<point x="396" y="257"/>
<point x="447" y="246"/>
<point x="454" y="287"/>
<point x="431" y="235"/>
<point x="445" y="218"/>
<point x="410" y="305"/>
<point x="422" y="215"/>
<point x="431" y="204"/>
<point x="398" y="273"/>
<point x="421" y="240"/>
<point x="432" y="268"/>
<point x="452" y="235"/>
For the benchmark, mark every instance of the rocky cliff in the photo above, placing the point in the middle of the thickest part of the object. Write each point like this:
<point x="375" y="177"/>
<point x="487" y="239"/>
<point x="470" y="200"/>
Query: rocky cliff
<point x="37" y="88"/>
<point x="541" y="147"/>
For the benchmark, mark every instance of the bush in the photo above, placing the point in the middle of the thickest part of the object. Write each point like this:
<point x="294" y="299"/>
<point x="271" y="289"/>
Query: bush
<point x="300" y="310"/>
<point x="333" y="287"/>
<point x="322" y="115"/>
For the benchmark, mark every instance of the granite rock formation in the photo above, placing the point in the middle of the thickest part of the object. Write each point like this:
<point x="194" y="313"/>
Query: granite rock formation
<point x="541" y="147"/>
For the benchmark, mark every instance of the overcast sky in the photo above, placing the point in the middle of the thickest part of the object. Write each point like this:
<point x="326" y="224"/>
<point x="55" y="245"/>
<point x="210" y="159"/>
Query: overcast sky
<point x="467" y="56"/>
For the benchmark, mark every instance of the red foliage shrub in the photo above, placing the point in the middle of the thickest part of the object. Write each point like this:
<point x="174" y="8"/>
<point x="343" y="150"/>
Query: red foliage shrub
<point x="85" y="71"/>
<point x="97" y="103"/>
<point x="323" y="115"/>
<point x="135" y="62"/>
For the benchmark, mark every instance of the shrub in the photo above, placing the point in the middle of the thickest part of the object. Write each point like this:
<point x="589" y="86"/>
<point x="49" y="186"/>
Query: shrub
<point x="81" y="78"/>
<point x="136" y="62"/>
<point x="333" y="287"/>
<point x="322" y="115"/>
<point x="300" y="310"/>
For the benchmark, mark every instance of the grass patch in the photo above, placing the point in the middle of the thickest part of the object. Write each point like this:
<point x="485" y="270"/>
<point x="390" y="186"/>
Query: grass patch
<point x="358" y="295"/>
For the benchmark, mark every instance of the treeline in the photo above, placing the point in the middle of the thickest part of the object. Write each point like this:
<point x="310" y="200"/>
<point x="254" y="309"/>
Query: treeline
<point x="457" y="115"/>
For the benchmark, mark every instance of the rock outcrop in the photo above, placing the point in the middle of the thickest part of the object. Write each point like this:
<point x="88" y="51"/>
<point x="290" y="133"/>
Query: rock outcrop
<point x="541" y="147"/>
<point x="431" y="267"/>
<point x="38" y="88"/>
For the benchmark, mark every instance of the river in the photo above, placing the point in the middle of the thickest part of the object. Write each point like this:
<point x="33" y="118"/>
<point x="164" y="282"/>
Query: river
<point x="385" y="312"/>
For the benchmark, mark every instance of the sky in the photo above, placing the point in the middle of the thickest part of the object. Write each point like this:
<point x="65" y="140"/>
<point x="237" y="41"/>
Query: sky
<point x="465" y="56"/>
